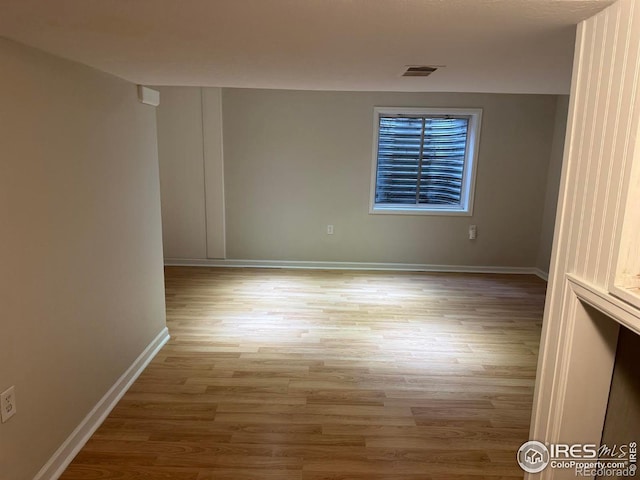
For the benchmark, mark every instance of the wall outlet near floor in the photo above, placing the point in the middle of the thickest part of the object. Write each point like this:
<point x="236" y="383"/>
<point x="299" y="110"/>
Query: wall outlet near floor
<point x="329" y="229"/>
<point x="8" y="404"/>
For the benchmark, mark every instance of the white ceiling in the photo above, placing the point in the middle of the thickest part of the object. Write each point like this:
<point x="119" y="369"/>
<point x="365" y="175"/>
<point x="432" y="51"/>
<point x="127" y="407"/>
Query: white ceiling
<point x="508" y="46"/>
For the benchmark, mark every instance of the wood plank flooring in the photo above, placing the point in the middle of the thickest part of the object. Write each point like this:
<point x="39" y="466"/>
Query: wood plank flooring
<point x="329" y="375"/>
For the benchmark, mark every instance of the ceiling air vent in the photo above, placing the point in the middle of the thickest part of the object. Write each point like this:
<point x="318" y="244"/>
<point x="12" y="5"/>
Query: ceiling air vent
<point x="419" y="71"/>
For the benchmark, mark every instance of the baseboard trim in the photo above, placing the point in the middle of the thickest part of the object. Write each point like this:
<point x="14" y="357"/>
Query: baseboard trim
<point x="408" y="267"/>
<point x="61" y="459"/>
<point x="542" y="274"/>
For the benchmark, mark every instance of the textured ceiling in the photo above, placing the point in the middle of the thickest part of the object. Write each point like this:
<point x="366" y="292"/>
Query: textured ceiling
<point x="508" y="46"/>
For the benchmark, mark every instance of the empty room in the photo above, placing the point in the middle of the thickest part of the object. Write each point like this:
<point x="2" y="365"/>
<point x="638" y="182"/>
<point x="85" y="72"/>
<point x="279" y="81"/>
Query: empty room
<point x="319" y="240"/>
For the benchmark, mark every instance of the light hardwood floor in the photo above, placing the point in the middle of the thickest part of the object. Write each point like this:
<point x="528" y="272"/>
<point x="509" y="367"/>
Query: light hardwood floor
<point x="329" y="375"/>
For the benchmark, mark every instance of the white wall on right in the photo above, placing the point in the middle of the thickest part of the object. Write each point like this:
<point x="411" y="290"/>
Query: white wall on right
<point x="578" y="343"/>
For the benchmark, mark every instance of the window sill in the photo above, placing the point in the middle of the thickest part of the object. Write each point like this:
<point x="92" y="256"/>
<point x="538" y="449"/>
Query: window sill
<point x="393" y="210"/>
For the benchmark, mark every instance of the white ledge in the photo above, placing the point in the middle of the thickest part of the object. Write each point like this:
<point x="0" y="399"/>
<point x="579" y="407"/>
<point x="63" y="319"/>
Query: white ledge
<point x="604" y="301"/>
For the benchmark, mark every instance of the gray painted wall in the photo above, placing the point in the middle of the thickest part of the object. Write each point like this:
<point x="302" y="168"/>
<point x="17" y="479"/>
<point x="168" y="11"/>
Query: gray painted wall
<point x="296" y="161"/>
<point x="553" y="184"/>
<point x="180" y="153"/>
<point x="81" y="283"/>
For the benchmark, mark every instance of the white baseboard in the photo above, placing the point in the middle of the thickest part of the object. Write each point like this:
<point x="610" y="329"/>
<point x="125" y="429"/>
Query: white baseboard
<point x="408" y="267"/>
<point x="542" y="274"/>
<point x="61" y="459"/>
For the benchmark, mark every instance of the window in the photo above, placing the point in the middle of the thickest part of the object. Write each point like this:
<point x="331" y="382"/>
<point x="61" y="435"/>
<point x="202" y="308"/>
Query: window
<point x="424" y="160"/>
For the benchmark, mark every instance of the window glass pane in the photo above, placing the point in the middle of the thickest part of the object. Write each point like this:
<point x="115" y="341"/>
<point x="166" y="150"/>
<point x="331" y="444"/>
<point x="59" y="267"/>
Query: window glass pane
<point x="399" y="141"/>
<point x="425" y="161"/>
<point x="443" y="157"/>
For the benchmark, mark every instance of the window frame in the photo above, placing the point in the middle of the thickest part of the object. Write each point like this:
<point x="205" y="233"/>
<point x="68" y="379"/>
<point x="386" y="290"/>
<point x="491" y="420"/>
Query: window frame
<point x="470" y="164"/>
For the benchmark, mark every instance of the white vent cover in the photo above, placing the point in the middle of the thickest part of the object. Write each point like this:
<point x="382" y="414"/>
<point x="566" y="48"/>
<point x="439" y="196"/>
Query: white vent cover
<point x="148" y="96"/>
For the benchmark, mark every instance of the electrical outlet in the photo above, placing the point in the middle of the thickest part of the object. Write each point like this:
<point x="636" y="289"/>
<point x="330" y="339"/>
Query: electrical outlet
<point x="8" y="404"/>
<point x="329" y="229"/>
<point x="473" y="232"/>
